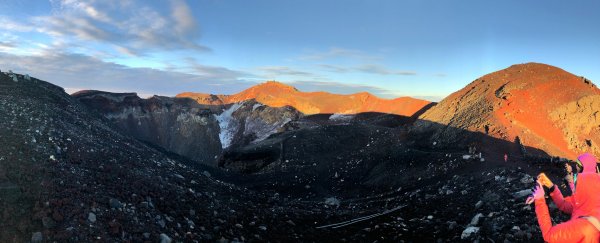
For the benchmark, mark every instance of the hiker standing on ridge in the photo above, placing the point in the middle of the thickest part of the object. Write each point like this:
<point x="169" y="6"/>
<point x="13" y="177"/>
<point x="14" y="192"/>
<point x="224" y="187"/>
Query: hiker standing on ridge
<point x="584" y="206"/>
<point x="505" y="158"/>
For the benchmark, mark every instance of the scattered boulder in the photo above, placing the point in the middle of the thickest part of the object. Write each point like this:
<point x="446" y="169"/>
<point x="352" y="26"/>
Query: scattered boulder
<point x="475" y="220"/>
<point x="165" y="238"/>
<point x="522" y="194"/>
<point x="479" y="204"/>
<point x="469" y="232"/>
<point x="452" y="225"/>
<point x="527" y="179"/>
<point x="114" y="203"/>
<point x="332" y="201"/>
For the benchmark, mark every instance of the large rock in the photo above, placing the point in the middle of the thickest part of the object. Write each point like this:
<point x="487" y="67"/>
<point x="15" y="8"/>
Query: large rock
<point x="164" y="238"/>
<point x="469" y="232"/>
<point x="475" y="220"/>
<point x="115" y="203"/>
<point x="92" y="217"/>
<point x="522" y="193"/>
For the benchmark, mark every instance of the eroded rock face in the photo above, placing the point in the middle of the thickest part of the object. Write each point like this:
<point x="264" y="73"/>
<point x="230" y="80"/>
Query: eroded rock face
<point x="580" y="123"/>
<point x="249" y="122"/>
<point x="523" y="103"/>
<point x="181" y="126"/>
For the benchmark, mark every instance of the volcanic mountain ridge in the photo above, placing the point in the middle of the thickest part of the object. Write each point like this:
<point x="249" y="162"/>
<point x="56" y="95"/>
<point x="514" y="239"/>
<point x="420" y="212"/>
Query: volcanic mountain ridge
<point x="277" y="94"/>
<point x="532" y="104"/>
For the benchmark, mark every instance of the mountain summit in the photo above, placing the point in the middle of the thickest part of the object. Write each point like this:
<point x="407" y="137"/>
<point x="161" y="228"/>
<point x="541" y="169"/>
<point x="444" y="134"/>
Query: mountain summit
<point x="536" y="105"/>
<point x="276" y="94"/>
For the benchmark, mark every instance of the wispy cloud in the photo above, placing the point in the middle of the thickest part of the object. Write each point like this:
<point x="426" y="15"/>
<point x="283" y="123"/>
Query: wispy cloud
<point x="334" y="68"/>
<point x="342" y="88"/>
<point x="378" y="69"/>
<point x="114" y="23"/>
<point x="76" y="71"/>
<point x="366" y="68"/>
<point x="7" y="45"/>
<point x="11" y="25"/>
<point x="336" y="52"/>
<point x="276" y="71"/>
<point x="218" y="72"/>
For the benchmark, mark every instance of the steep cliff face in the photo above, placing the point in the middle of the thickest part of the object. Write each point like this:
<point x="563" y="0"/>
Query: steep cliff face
<point x="533" y="104"/>
<point x="181" y="126"/>
<point x="249" y="121"/>
<point x="276" y="94"/>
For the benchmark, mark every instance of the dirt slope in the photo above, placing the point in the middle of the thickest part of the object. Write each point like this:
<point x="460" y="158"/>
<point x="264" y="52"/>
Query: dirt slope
<point x="544" y="106"/>
<point x="276" y="94"/>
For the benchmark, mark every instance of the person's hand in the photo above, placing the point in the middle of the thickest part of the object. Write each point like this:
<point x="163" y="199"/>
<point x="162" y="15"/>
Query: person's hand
<point x="538" y="193"/>
<point x="545" y="181"/>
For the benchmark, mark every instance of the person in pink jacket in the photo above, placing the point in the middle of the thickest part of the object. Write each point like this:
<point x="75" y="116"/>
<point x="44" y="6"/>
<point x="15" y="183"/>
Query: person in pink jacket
<point x="564" y="203"/>
<point x="584" y="206"/>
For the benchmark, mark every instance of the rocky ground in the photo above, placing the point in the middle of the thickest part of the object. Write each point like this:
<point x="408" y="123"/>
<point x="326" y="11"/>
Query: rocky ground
<point x="68" y="174"/>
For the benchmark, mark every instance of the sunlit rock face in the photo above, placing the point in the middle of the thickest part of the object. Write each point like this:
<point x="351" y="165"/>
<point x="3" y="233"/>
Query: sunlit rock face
<point x="536" y="105"/>
<point x="275" y="94"/>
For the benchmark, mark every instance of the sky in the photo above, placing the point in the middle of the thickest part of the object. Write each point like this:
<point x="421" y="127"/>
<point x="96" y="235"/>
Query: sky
<point x="420" y="48"/>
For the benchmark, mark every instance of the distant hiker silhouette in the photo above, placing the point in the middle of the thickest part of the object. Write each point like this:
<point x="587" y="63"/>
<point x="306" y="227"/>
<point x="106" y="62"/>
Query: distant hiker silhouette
<point x="583" y="205"/>
<point x="505" y="158"/>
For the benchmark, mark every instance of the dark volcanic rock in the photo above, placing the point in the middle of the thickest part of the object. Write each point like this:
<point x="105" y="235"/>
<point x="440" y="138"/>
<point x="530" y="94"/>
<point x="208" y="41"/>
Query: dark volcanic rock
<point x="181" y="126"/>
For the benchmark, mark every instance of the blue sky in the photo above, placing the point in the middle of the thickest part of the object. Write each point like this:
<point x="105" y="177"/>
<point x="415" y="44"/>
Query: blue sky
<point x="419" y="48"/>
